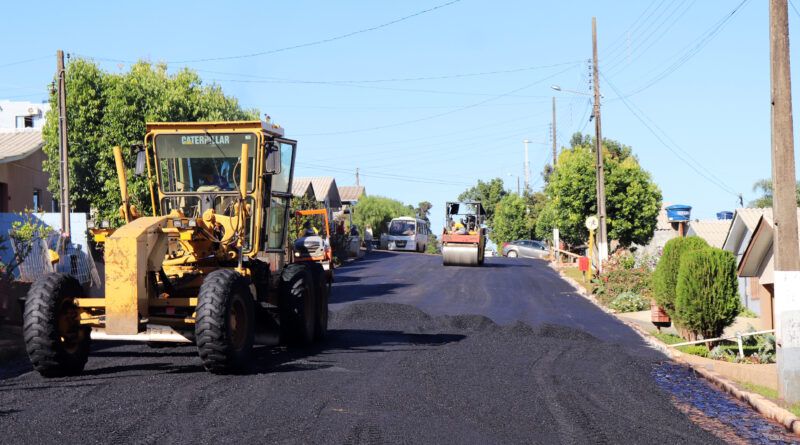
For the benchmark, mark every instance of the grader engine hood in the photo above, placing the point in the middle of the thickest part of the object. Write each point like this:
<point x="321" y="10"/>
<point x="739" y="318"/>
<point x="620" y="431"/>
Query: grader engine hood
<point x="130" y="252"/>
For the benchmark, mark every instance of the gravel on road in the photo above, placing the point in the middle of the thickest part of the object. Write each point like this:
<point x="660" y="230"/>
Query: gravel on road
<point x="390" y="373"/>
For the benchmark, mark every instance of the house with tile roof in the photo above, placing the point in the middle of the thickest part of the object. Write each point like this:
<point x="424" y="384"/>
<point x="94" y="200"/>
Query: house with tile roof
<point x="714" y="231"/>
<point x="23" y="184"/>
<point x="742" y="228"/>
<point x="351" y="193"/>
<point x="323" y="189"/>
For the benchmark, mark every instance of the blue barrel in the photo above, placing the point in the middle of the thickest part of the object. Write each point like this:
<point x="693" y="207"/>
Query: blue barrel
<point x="725" y="215"/>
<point x="679" y="213"/>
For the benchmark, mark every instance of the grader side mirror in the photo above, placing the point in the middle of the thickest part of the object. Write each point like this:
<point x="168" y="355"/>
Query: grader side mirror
<point x="273" y="159"/>
<point x="141" y="163"/>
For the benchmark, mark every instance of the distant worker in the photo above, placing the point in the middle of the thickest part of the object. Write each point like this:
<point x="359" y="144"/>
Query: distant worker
<point x="353" y="230"/>
<point x="209" y="178"/>
<point x="309" y="230"/>
<point x="368" y="238"/>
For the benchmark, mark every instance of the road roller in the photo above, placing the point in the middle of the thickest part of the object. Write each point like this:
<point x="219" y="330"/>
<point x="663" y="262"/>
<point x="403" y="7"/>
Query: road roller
<point x="464" y="237"/>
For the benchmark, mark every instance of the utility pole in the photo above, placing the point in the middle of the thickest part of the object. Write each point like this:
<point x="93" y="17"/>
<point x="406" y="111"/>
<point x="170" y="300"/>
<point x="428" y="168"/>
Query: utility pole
<point x="787" y="254"/>
<point x="519" y="193"/>
<point x="527" y="166"/>
<point x="602" y="238"/>
<point x="555" y="155"/>
<point x="357" y="184"/>
<point x="62" y="144"/>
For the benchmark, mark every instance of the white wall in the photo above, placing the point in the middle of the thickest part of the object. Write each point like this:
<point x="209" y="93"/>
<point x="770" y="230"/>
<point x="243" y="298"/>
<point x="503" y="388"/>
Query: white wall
<point x="12" y="114"/>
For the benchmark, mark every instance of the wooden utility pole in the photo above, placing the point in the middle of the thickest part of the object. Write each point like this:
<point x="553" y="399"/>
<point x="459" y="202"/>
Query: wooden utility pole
<point x="357" y="184"/>
<point x="602" y="241"/>
<point x="784" y="208"/>
<point x="527" y="167"/>
<point x="555" y="154"/>
<point x="62" y="143"/>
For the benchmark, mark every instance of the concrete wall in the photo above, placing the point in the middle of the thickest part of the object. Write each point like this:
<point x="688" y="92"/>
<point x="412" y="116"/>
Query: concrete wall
<point x="12" y="114"/>
<point x="21" y="178"/>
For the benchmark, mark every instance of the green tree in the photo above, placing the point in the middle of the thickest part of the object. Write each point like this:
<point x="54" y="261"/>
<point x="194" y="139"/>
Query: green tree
<point x="632" y="199"/>
<point x="765" y="200"/>
<point x="423" y="210"/>
<point x="488" y="193"/>
<point x="512" y="220"/>
<point x="707" y="300"/>
<point x="665" y="277"/>
<point x="378" y="211"/>
<point x="306" y="202"/>
<point x="106" y="109"/>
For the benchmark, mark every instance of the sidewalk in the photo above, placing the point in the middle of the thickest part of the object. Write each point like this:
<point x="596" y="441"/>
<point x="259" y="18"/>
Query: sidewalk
<point x="642" y="318"/>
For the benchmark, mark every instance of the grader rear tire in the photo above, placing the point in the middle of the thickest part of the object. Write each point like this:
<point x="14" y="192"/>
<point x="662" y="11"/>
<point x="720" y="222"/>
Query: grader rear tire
<point x="298" y="304"/>
<point x="56" y="342"/>
<point x="224" y="326"/>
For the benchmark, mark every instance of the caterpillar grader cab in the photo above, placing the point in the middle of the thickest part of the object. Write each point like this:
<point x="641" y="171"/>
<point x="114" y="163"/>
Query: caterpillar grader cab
<point x="463" y="237"/>
<point x="210" y="266"/>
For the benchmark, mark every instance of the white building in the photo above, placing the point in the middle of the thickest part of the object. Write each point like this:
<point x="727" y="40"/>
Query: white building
<point x="15" y="115"/>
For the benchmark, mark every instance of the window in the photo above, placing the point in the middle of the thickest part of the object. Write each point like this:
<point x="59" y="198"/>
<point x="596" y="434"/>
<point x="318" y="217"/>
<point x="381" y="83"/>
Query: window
<point x="28" y="121"/>
<point x="36" y="200"/>
<point x="277" y="220"/>
<point x="3" y="197"/>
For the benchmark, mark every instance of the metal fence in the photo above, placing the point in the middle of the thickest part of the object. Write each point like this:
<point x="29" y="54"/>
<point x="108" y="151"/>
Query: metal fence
<point x="73" y="259"/>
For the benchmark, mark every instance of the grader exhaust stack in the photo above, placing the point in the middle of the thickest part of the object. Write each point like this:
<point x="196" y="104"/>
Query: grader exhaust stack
<point x="464" y="238"/>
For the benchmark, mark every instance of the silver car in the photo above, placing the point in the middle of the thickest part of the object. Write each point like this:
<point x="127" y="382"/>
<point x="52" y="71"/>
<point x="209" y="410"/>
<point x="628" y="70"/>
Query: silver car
<point x="526" y="249"/>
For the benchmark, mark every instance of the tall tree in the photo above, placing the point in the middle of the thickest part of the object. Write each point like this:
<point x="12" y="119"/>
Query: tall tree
<point x="512" y="220"/>
<point x="423" y="210"/>
<point x="378" y="211"/>
<point x="106" y="109"/>
<point x="633" y="200"/>
<point x="488" y="193"/>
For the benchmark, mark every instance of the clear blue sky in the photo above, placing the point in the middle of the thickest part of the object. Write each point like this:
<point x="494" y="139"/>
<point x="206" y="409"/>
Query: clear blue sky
<point x="428" y="105"/>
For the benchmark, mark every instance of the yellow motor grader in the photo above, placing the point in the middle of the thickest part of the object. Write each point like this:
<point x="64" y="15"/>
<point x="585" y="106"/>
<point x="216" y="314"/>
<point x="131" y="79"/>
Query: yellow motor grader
<point x="209" y="267"/>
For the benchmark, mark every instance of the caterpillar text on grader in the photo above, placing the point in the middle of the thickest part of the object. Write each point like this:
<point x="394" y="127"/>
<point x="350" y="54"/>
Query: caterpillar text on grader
<point x="463" y="241"/>
<point x="209" y="267"/>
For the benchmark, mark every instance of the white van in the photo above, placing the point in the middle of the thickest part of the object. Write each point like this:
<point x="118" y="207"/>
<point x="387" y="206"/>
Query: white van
<point x="406" y="233"/>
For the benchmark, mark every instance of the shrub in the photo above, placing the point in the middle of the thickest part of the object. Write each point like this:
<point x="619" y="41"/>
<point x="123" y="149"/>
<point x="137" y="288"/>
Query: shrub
<point x="665" y="278"/>
<point x="707" y="297"/>
<point x="699" y="350"/>
<point x="609" y="285"/>
<point x="717" y="353"/>
<point x="630" y="302"/>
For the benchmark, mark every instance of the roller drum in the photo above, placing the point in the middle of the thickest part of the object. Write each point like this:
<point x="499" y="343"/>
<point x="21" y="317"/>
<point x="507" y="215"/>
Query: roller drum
<point x="460" y="255"/>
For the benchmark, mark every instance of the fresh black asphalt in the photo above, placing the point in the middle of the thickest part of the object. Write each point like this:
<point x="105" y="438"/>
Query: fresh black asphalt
<point x="418" y="353"/>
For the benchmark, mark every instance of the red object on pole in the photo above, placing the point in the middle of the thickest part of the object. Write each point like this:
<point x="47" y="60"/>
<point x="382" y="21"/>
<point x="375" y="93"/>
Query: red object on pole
<point x="583" y="263"/>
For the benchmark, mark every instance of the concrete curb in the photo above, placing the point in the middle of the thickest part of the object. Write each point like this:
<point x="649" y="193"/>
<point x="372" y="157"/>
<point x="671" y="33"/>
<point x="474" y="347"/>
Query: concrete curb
<point x="764" y="406"/>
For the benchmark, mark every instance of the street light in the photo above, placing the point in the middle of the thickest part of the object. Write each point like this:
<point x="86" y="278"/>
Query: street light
<point x="558" y="88"/>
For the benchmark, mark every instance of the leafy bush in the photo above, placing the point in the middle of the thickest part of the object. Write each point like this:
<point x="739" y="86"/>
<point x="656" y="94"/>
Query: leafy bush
<point x="609" y="285"/>
<point x="717" y="353"/>
<point x="630" y="302"/>
<point x="699" y="350"/>
<point x="665" y="278"/>
<point x="707" y="297"/>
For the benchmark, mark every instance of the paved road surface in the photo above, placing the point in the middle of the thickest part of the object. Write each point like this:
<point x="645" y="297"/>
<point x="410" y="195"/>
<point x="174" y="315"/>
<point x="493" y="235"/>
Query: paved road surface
<point x="535" y="363"/>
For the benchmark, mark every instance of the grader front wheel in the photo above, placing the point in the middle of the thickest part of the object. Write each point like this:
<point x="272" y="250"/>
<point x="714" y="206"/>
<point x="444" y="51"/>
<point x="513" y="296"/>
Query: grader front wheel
<point x="56" y="342"/>
<point x="224" y="326"/>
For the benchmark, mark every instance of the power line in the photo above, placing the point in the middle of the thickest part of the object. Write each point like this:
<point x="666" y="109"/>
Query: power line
<point x="426" y="118"/>
<point x="382" y="175"/>
<point x="20" y="62"/>
<point x="312" y="43"/>
<point x="710" y="177"/>
<point x="654" y="34"/>
<point x="690" y="51"/>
